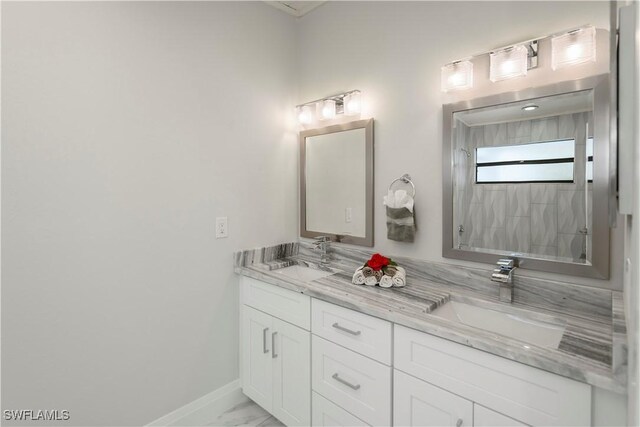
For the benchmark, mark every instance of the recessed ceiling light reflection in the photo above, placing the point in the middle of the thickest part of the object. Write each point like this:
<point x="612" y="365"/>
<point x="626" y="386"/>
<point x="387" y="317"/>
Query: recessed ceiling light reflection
<point x="530" y="107"/>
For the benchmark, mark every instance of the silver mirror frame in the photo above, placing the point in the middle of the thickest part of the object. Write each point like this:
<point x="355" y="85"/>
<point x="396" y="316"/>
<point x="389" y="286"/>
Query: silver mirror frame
<point x="603" y="175"/>
<point x="367" y="125"/>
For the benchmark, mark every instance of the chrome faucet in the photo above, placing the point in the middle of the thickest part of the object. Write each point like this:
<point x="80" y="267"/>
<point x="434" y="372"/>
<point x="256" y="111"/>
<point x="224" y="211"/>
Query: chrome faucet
<point x="322" y="244"/>
<point x="504" y="275"/>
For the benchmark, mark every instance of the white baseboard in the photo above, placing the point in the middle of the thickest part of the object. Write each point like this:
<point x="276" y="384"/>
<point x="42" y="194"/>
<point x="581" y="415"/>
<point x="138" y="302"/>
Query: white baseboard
<point x="205" y="409"/>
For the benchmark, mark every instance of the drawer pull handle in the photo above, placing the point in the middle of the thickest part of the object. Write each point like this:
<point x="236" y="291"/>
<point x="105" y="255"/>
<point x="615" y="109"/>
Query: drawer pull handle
<point x="349" y="331"/>
<point x="459" y="422"/>
<point x="347" y="383"/>
<point x="273" y="345"/>
<point x="264" y="340"/>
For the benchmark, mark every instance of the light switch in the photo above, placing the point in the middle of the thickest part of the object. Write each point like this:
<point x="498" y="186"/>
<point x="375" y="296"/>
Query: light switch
<point x="222" y="230"/>
<point x="348" y="215"/>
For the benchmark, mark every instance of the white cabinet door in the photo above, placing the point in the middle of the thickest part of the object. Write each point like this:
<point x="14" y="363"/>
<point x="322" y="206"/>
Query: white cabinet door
<point x="417" y="403"/>
<point x="483" y="417"/>
<point x="328" y="414"/>
<point x="257" y="370"/>
<point x="291" y="355"/>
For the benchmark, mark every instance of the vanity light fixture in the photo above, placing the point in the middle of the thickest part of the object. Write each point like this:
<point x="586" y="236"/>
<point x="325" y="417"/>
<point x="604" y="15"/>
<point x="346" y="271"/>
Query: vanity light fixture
<point x="508" y="63"/>
<point x="573" y="47"/>
<point x="457" y="76"/>
<point x="346" y="103"/>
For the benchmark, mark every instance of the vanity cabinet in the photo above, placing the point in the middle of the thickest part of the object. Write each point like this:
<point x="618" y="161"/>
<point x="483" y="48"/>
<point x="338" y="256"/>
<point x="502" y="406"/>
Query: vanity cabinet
<point x="275" y="354"/>
<point x="309" y="362"/>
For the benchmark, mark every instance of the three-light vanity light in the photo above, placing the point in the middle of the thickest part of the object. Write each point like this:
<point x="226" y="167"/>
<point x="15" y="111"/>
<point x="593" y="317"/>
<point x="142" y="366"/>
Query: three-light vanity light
<point x="346" y="103"/>
<point x="569" y="48"/>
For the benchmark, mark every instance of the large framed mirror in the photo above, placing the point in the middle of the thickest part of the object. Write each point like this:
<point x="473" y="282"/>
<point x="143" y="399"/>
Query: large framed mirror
<point x="528" y="175"/>
<point x="336" y="182"/>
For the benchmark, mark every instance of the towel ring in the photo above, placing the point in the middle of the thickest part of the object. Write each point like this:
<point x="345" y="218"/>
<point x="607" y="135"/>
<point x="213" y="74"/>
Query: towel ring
<point x="406" y="178"/>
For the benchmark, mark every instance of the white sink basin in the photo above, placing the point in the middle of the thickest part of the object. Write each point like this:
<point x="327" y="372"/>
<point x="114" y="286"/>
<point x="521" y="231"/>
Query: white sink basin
<point x="514" y="324"/>
<point x="303" y="274"/>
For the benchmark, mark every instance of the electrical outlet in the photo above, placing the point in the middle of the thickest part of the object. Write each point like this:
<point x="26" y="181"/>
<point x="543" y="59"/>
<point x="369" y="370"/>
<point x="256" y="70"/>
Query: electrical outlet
<point x="348" y="215"/>
<point x="222" y="229"/>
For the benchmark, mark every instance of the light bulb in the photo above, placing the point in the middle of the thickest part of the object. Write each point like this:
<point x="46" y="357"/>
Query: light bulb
<point x="574" y="52"/>
<point x="574" y="47"/>
<point x="305" y="115"/>
<point x="508" y="63"/>
<point x="328" y="109"/>
<point x="457" y="76"/>
<point x="352" y="104"/>
<point x="456" y="79"/>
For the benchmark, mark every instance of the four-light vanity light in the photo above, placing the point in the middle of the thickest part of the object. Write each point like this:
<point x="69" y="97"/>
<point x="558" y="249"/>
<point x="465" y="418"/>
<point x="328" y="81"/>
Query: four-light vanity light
<point x="346" y="103"/>
<point x="567" y="49"/>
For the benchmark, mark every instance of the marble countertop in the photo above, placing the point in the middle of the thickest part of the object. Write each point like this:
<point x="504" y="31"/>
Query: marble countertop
<point x="584" y="354"/>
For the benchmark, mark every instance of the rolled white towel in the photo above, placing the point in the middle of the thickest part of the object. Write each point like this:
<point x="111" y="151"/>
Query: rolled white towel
<point x="358" y="277"/>
<point x="386" y="281"/>
<point x="371" y="281"/>
<point x="399" y="279"/>
<point x="401" y="270"/>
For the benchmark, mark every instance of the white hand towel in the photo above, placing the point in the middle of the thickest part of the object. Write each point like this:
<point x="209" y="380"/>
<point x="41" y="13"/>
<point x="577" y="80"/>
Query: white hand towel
<point x="386" y="281"/>
<point x="371" y="281"/>
<point x="400" y="278"/>
<point x="398" y="199"/>
<point x="389" y="199"/>
<point x="358" y="277"/>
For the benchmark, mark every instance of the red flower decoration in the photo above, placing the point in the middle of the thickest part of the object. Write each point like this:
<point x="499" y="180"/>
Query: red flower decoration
<point x="377" y="262"/>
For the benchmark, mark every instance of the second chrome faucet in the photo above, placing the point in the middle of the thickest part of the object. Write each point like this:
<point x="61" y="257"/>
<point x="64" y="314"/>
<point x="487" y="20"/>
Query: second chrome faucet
<point x="504" y="275"/>
<point x="322" y="243"/>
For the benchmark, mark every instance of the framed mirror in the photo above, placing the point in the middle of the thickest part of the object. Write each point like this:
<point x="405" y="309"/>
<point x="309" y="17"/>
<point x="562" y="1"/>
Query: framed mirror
<point x="336" y="182"/>
<point x="528" y="175"/>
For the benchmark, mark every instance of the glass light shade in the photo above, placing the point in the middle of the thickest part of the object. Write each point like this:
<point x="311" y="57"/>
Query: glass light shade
<point x="575" y="47"/>
<point x="457" y="76"/>
<point x="352" y="104"/>
<point x="305" y="114"/>
<point x="508" y="63"/>
<point x="327" y="109"/>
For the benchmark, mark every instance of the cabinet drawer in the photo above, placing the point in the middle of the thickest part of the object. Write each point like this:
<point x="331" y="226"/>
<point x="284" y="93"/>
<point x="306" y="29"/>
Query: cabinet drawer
<point x="359" y="332"/>
<point x="417" y="403"/>
<point x="483" y="417"/>
<point x="356" y="383"/>
<point x="328" y="414"/>
<point x="531" y="395"/>
<point x="292" y="307"/>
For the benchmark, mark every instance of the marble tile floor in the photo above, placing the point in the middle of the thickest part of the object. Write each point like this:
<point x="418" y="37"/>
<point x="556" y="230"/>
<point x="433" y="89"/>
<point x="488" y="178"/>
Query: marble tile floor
<point x="247" y="413"/>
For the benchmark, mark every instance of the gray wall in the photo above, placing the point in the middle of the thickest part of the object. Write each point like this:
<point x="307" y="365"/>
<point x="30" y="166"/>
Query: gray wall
<point x="127" y="128"/>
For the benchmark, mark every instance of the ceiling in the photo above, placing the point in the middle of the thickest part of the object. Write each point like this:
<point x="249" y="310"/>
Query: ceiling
<point x="295" y="8"/>
<point x="550" y="106"/>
